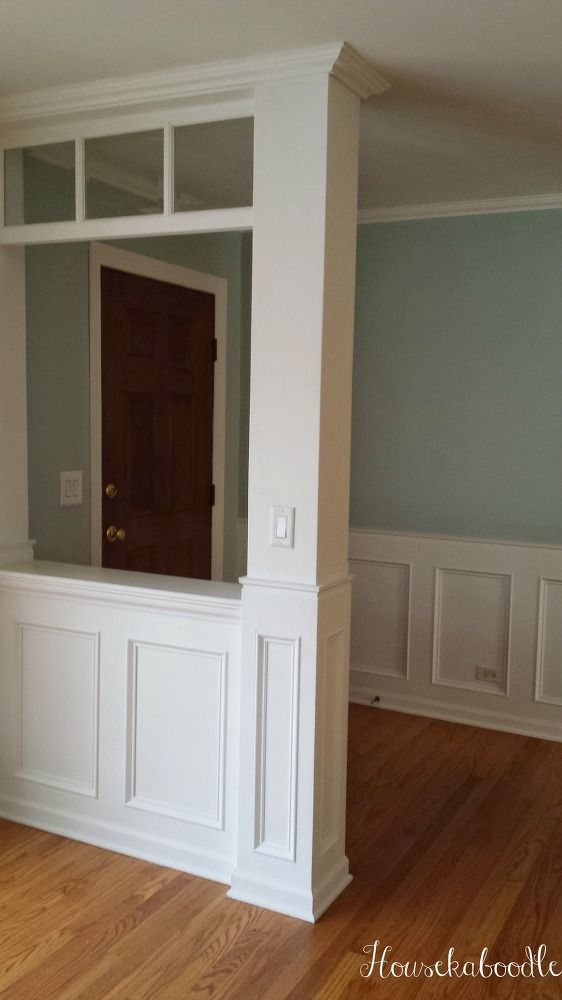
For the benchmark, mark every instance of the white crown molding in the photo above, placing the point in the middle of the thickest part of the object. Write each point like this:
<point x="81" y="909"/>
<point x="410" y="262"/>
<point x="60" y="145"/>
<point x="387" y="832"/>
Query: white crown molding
<point x="358" y="74"/>
<point x="439" y="210"/>
<point x="180" y="85"/>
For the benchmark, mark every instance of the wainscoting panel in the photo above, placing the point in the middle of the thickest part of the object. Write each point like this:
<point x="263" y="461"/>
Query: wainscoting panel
<point x="177" y="719"/>
<point x="120" y="712"/>
<point x="331" y="724"/>
<point x="549" y="651"/>
<point x="485" y="630"/>
<point x="276" y="746"/>
<point x="58" y="711"/>
<point x="461" y="656"/>
<point x="380" y="622"/>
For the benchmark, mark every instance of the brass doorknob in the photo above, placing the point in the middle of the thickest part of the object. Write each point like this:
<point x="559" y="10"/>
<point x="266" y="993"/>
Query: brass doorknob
<point x="111" y="490"/>
<point x="114" y="534"/>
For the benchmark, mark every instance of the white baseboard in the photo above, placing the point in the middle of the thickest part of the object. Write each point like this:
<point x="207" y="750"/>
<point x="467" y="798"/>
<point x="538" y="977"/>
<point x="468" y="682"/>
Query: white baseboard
<point x="502" y="722"/>
<point x="331" y="886"/>
<point x="111" y="837"/>
<point x="282" y="898"/>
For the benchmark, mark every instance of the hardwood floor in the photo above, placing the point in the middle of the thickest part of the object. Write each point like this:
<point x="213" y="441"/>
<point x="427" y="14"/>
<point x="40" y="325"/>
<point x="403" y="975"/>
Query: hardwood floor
<point x="455" y="840"/>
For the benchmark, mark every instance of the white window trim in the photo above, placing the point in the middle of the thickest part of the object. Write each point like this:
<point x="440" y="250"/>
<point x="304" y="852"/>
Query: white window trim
<point x="150" y="267"/>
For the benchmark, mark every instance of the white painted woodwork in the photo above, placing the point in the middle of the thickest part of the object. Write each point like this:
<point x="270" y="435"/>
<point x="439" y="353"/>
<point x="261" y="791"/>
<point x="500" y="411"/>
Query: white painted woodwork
<point x="484" y="599"/>
<point x="549" y="647"/>
<point x="301" y="347"/>
<point x="171" y="687"/>
<point x="471" y="602"/>
<point x="450" y="209"/>
<point x="58" y="682"/>
<point x="119" y="711"/>
<point x="184" y="85"/>
<point x="277" y="725"/>
<point x="295" y="642"/>
<point x="176" y="731"/>
<point x="215" y="220"/>
<point x="380" y="617"/>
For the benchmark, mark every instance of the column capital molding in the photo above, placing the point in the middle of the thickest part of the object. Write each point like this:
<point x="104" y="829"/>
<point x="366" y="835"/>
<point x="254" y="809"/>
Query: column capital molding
<point x="295" y="585"/>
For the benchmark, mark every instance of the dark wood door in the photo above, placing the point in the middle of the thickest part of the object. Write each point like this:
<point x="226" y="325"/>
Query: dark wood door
<point x="158" y="350"/>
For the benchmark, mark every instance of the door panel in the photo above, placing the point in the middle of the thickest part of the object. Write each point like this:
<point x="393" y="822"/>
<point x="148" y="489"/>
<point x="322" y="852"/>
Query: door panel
<point x="157" y="424"/>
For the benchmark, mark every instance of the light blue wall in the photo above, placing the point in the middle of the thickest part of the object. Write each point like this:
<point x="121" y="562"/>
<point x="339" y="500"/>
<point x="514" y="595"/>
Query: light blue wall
<point x="58" y="362"/>
<point x="57" y="280"/>
<point x="457" y="397"/>
<point x="457" y="400"/>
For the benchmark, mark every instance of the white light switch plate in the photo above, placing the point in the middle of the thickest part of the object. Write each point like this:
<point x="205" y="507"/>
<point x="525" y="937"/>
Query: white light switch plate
<point x="282" y="527"/>
<point x="70" y="488"/>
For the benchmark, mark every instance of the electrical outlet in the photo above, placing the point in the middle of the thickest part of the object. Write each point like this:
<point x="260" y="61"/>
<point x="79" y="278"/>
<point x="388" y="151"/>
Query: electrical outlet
<point x="486" y="674"/>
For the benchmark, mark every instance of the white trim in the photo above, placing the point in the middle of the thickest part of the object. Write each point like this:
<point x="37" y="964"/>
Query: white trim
<point x="288" y="850"/>
<point x="303" y="588"/>
<point x="540" y="696"/>
<point x="501" y="690"/>
<point x="380" y="671"/>
<point x="439" y="210"/>
<point x="91" y="790"/>
<point x="205" y="221"/>
<point x="453" y="712"/>
<point x="134" y="801"/>
<point x="185" y="83"/>
<point x="43" y="132"/>
<point x="150" y="267"/>
<point x="466" y="540"/>
<point x="281" y="897"/>
<point x="196" y="599"/>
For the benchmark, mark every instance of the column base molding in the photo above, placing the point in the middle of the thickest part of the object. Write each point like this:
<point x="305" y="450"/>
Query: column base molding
<point x="276" y="896"/>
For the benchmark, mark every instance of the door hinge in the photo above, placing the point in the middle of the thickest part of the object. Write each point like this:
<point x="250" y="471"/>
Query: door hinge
<point x="215" y="349"/>
<point x="212" y="494"/>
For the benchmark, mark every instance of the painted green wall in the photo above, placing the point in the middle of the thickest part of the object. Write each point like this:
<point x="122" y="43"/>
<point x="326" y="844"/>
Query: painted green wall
<point x="457" y="404"/>
<point x="58" y="380"/>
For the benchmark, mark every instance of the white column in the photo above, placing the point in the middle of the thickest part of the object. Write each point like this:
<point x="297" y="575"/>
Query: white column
<point x="13" y="413"/>
<point x="296" y="600"/>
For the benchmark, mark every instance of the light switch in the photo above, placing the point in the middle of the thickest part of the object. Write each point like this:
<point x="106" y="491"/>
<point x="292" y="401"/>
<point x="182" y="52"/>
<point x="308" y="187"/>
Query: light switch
<point x="70" y="488"/>
<point x="282" y="527"/>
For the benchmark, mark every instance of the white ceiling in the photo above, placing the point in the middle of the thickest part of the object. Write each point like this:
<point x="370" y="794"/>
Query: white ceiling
<point x="475" y="109"/>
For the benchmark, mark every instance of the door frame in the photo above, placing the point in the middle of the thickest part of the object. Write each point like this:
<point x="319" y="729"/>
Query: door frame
<point x="102" y="255"/>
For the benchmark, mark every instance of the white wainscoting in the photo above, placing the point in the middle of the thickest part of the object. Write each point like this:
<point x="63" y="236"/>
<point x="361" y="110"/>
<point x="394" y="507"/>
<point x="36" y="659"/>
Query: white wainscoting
<point x="277" y="726"/>
<point x="429" y="611"/>
<point x="58" y="710"/>
<point x="119" y="712"/>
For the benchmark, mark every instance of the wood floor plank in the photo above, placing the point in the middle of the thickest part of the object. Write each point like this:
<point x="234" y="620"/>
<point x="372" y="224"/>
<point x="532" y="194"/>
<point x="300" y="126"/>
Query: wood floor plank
<point x="455" y="837"/>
